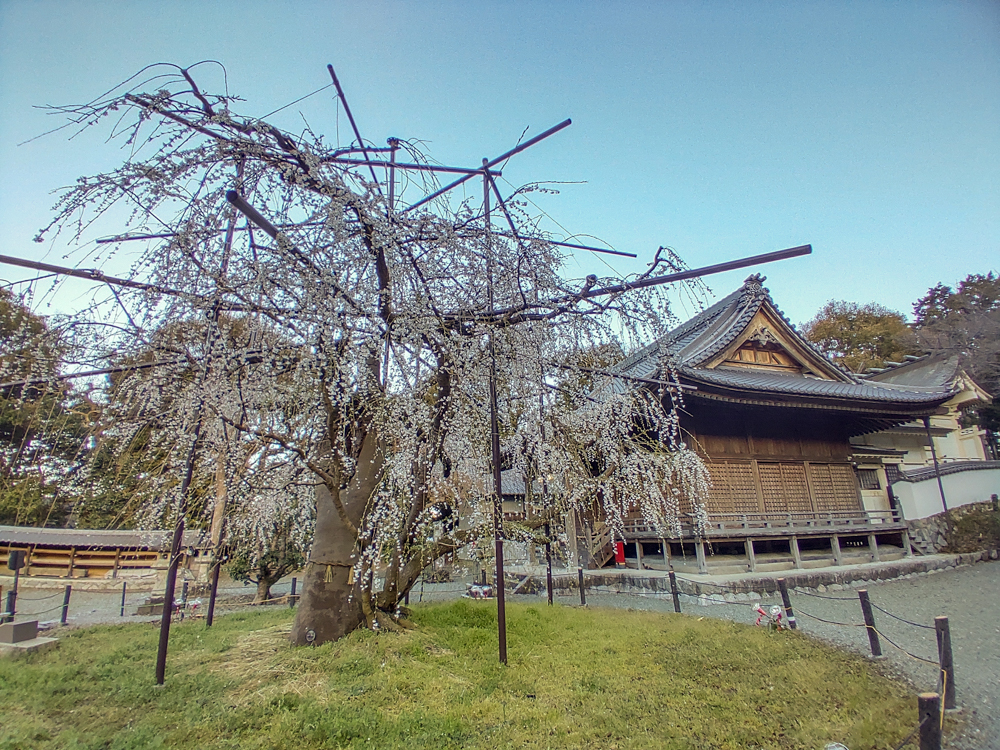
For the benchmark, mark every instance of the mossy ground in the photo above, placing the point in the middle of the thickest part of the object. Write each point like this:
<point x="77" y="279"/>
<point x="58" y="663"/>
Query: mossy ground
<point x="576" y="678"/>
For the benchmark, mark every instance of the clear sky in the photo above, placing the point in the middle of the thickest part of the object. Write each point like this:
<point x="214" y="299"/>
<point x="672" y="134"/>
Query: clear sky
<point x="869" y="129"/>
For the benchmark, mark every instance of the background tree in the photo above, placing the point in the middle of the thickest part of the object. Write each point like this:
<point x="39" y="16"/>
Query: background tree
<point x="860" y="336"/>
<point x="966" y="322"/>
<point x="44" y="426"/>
<point x="369" y="337"/>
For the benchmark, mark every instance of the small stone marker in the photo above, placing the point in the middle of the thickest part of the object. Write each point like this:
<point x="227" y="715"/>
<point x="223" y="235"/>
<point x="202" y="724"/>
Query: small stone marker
<point x="18" y="632"/>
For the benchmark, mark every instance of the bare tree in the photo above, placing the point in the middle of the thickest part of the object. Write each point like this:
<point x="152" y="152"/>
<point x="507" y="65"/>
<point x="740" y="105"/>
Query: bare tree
<point x="368" y="337"/>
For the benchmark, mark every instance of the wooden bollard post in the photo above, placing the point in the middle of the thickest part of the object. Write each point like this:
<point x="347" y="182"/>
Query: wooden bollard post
<point x="946" y="662"/>
<point x="929" y="715"/>
<point x="674" y="593"/>
<point x="213" y="591"/>
<point x="866" y="610"/>
<point x="787" y="603"/>
<point x="291" y="598"/>
<point x="124" y="588"/>
<point x="583" y="591"/>
<point x="65" y="604"/>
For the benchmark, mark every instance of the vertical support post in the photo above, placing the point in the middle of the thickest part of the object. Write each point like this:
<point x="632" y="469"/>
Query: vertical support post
<point x="65" y="604"/>
<point x="118" y="557"/>
<point x="665" y="551"/>
<point x="796" y="552"/>
<point x="124" y="588"/>
<point x="751" y="557"/>
<point x="674" y="593"/>
<point x="866" y="610"/>
<point x="638" y="554"/>
<point x="928" y="714"/>
<point x="72" y="560"/>
<point x="11" y="603"/>
<point x="406" y="598"/>
<point x="937" y="468"/>
<point x="495" y="431"/>
<point x="213" y="591"/>
<point x="786" y="602"/>
<point x="548" y="562"/>
<point x="291" y="597"/>
<point x="699" y="548"/>
<point x="873" y="546"/>
<point x="945" y="660"/>
<point x="583" y="590"/>
<point x="907" y="544"/>
<point x="835" y="548"/>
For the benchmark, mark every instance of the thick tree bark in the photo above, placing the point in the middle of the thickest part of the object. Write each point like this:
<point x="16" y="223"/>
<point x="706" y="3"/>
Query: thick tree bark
<point x="263" y="590"/>
<point x="331" y="605"/>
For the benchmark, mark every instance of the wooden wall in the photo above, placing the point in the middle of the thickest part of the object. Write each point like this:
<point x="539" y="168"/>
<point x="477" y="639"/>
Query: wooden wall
<point x="773" y="460"/>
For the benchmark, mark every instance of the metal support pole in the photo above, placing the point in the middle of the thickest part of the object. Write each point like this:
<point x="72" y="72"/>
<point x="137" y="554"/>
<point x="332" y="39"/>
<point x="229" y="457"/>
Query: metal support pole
<point x="548" y="562"/>
<point x="124" y="589"/>
<point x="786" y="602"/>
<point x="65" y="604"/>
<point x="674" y="593"/>
<point x="11" y="601"/>
<point x="937" y="468"/>
<point x="495" y="438"/>
<point x="291" y="597"/>
<point x="946" y="662"/>
<point x="929" y="716"/>
<point x="866" y="610"/>
<point x="583" y="590"/>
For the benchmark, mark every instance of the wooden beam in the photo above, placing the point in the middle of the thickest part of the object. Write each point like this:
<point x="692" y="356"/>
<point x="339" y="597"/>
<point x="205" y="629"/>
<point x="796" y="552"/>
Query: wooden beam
<point x="873" y="546"/>
<point x="835" y="547"/>
<point x="699" y="548"/>
<point x="796" y="553"/>
<point x="748" y="544"/>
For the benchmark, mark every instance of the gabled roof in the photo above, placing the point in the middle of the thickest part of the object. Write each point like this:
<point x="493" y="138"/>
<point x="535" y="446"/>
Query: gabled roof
<point x="704" y="352"/>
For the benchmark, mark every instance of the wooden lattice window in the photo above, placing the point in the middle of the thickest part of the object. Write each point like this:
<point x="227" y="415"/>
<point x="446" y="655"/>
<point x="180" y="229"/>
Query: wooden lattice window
<point x="784" y="487"/>
<point x="834" y="487"/>
<point x="869" y="479"/>
<point x="733" y="488"/>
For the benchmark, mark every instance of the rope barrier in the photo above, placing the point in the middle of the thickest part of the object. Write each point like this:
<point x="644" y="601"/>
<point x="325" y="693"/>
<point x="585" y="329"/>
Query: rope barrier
<point x="897" y="617"/>
<point x="831" y="622"/>
<point x="831" y="598"/>
<point x="900" y="648"/>
<point x="22" y="598"/>
<point x="911" y="735"/>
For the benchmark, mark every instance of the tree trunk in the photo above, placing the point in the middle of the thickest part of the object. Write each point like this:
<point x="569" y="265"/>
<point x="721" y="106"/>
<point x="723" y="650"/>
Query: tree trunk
<point x="263" y="590"/>
<point x="330" y="607"/>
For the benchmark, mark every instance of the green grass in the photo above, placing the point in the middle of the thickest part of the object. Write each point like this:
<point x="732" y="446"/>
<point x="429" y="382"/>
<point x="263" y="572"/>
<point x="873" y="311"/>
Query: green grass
<point x="577" y="678"/>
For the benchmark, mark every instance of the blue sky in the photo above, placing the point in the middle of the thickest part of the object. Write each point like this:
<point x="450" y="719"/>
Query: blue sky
<point x="869" y="129"/>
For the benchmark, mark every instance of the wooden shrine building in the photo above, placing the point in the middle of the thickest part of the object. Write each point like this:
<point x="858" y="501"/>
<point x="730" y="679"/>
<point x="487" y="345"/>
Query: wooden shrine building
<point x="773" y="419"/>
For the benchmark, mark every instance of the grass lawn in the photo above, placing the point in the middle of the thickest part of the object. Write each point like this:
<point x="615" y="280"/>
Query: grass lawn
<point x="577" y="678"/>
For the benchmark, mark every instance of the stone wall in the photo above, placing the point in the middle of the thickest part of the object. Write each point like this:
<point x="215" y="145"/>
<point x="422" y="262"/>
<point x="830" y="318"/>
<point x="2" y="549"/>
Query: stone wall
<point x="931" y="535"/>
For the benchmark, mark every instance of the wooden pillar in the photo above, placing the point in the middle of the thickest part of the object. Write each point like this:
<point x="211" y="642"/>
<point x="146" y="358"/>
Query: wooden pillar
<point x="796" y="553"/>
<point x="907" y="547"/>
<point x="638" y="554"/>
<point x="873" y="546"/>
<point x="118" y="555"/>
<point x="748" y="543"/>
<point x="699" y="548"/>
<point x="835" y="547"/>
<point x="666" y="553"/>
<point x="72" y="559"/>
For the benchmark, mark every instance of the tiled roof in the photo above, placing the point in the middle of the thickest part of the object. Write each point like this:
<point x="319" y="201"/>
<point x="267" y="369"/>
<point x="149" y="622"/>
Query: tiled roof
<point x="952" y="467"/>
<point x="768" y="382"/>
<point x="96" y="538"/>
<point x="690" y="346"/>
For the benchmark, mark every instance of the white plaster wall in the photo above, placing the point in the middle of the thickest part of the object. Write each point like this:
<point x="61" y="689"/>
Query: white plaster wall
<point x="923" y="499"/>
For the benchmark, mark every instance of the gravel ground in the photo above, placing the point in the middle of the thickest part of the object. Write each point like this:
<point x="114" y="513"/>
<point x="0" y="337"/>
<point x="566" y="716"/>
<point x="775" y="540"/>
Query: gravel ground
<point x="968" y="595"/>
